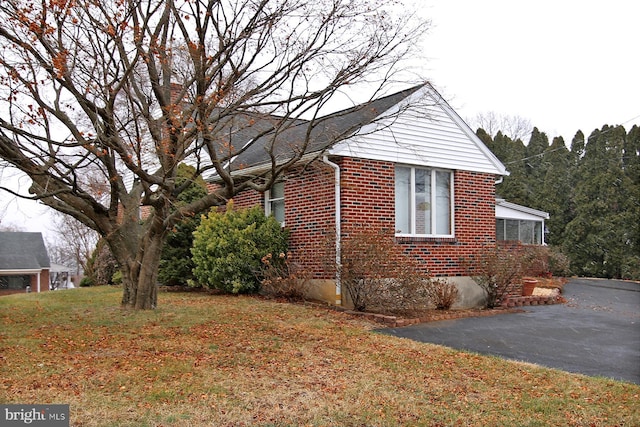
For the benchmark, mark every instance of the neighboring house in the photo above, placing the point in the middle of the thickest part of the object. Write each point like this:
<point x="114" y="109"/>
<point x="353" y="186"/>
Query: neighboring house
<point x="406" y="162"/>
<point x="516" y="223"/>
<point x="60" y="277"/>
<point x="24" y="262"/>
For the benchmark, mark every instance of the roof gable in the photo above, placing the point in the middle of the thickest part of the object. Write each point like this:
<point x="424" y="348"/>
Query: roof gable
<point x="23" y="251"/>
<point x="427" y="132"/>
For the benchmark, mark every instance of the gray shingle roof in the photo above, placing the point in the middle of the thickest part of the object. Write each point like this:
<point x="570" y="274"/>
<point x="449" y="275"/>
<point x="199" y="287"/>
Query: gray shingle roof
<point x="22" y="251"/>
<point x="288" y="137"/>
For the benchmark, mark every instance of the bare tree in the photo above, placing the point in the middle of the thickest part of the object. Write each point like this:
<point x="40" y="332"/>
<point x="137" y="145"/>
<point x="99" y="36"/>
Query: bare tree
<point x="515" y="127"/>
<point x="125" y="90"/>
<point x="74" y="243"/>
<point x="10" y="227"/>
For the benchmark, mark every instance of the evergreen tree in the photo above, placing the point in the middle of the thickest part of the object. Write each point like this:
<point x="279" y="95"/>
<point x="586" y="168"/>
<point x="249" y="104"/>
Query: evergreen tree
<point x="631" y="164"/>
<point x="535" y="166"/>
<point x="598" y="240"/>
<point x="577" y="147"/>
<point x="176" y="263"/>
<point x="555" y="193"/>
<point x="486" y="139"/>
<point x="514" y="186"/>
<point x="592" y="193"/>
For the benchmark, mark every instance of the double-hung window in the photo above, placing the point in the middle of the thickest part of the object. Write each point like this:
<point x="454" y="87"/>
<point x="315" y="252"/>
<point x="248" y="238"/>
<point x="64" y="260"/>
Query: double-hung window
<point x="424" y="202"/>
<point x="274" y="201"/>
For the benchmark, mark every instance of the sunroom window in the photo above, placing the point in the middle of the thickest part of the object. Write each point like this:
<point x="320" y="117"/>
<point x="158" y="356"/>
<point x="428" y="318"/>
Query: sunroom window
<point x="528" y="232"/>
<point x="274" y="201"/>
<point x="424" y="202"/>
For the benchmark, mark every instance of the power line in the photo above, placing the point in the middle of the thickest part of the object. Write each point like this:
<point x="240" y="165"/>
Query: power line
<point x="539" y="155"/>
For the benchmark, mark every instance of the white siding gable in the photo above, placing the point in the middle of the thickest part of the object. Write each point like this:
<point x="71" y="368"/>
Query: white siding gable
<point x="427" y="132"/>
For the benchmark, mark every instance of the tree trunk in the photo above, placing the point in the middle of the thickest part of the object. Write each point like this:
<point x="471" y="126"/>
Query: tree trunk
<point x="139" y="264"/>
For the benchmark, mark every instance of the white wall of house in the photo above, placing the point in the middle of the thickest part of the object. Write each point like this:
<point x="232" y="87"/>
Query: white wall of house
<point x="507" y="213"/>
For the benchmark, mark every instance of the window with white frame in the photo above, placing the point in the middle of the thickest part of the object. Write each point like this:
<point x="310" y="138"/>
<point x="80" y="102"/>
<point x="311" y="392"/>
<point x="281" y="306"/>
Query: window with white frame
<point x="528" y="232"/>
<point x="424" y="202"/>
<point x="274" y="201"/>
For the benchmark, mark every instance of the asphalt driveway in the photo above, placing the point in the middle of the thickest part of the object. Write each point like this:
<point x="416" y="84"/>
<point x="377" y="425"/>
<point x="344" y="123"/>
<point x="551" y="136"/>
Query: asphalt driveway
<point x="597" y="332"/>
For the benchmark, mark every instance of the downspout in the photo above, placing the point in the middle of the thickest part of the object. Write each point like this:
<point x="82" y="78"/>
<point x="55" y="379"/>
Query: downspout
<point x="338" y="214"/>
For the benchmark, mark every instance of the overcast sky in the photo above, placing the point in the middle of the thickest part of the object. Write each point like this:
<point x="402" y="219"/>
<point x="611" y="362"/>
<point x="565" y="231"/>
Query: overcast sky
<point x="564" y="65"/>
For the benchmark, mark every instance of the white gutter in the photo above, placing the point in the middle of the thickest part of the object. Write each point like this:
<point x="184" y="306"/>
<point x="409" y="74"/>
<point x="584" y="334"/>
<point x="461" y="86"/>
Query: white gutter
<point x="336" y="168"/>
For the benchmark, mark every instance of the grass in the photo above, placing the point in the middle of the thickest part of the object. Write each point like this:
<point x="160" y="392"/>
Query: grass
<point x="223" y="360"/>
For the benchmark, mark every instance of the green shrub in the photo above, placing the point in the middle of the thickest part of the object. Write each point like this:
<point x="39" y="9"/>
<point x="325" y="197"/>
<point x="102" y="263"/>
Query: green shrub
<point x="116" y="279"/>
<point x="228" y="248"/>
<point x="176" y="265"/>
<point x="86" y="282"/>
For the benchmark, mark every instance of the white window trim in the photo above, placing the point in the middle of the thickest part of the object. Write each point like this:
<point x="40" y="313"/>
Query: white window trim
<point x="520" y="233"/>
<point x="268" y="200"/>
<point x="412" y="201"/>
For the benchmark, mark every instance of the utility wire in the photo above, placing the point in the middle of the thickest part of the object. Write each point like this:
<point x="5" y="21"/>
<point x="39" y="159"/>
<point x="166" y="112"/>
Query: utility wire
<point x="564" y="147"/>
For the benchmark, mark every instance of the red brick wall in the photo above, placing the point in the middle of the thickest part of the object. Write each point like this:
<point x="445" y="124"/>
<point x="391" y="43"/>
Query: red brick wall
<point x="309" y="199"/>
<point x="474" y="222"/>
<point x="367" y="194"/>
<point x="368" y="188"/>
<point x="309" y="202"/>
<point x="248" y="199"/>
<point x="44" y="281"/>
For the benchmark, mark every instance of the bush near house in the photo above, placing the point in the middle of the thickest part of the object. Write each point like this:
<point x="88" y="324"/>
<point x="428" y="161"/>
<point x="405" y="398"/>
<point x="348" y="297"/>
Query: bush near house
<point x="442" y="294"/>
<point x="378" y="276"/>
<point x="495" y="269"/>
<point x="284" y="278"/>
<point x="545" y="261"/>
<point x="228" y="248"/>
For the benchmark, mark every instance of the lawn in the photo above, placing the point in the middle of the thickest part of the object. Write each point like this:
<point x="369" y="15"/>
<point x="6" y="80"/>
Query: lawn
<point x="222" y="360"/>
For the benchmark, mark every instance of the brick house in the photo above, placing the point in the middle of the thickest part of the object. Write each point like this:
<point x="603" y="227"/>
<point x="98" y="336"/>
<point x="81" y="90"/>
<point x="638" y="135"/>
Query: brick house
<point x="406" y="162"/>
<point x="24" y="263"/>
